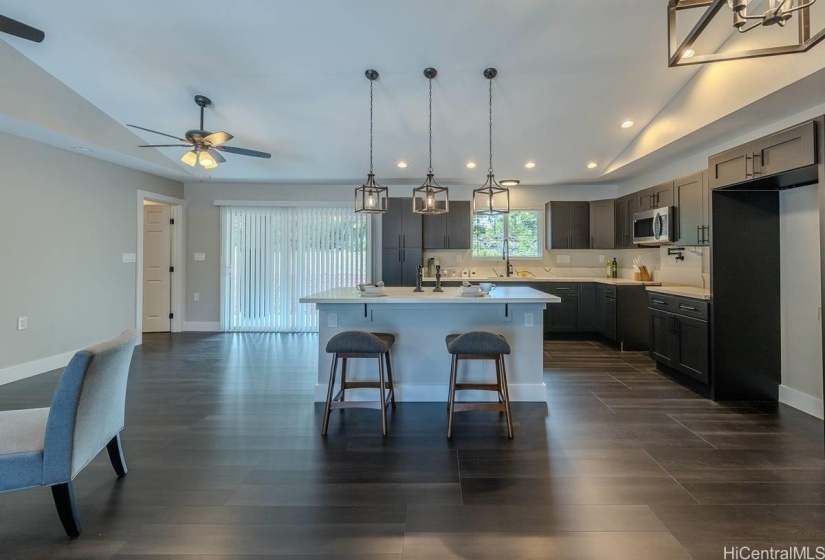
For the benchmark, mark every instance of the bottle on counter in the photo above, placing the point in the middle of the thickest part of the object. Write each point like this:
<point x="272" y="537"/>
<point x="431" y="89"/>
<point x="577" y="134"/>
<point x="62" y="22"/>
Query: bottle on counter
<point x="609" y="269"/>
<point x="614" y="268"/>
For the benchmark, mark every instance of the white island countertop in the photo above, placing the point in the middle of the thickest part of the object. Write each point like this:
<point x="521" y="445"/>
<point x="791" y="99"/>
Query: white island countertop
<point x="515" y="294"/>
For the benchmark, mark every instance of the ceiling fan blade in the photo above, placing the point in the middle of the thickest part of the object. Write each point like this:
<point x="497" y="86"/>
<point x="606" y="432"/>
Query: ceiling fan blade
<point x="19" y="29"/>
<point x="243" y="151"/>
<point x="165" y="146"/>
<point x="216" y="155"/>
<point x="218" y="138"/>
<point x="156" y="132"/>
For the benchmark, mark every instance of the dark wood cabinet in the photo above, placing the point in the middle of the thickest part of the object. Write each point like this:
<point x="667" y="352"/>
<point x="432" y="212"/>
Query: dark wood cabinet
<point x="680" y="334"/>
<point x="610" y="318"/>
<point x="587" y="307"/>
<point x="690" y="216"/>
<point x="563" y="317"/>
<point x="645" y="200"/>
<point x="602" y="224"/>
<point x="599" y="305"/>
<point x="451" y="230"/>
<point x="626" y="206"/>
<point x="401" y="236"/>
<point x="567" y="225"/>
<point x="663" y="195"/>
<point x="787" y="150"/>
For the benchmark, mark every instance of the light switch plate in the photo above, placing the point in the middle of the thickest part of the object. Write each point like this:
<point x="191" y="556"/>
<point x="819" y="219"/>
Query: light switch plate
<point x="197" y="296"/>
<point x="200" y="256"/>
<point x="129" y="257"/>
<point x="22" y="323"/>
<point x="601" y="258"/>
<point x="528" y="319"/>
<point x="332" y="320"/>
<point x="563" y="259"/>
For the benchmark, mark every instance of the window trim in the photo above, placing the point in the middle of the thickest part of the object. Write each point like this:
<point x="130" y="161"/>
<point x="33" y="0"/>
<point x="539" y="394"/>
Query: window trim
<point x="541" y="234"/>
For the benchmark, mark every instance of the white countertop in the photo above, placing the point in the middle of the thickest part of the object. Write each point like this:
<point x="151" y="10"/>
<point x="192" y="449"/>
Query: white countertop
<point x="684" y="291"/>
<point x="503" y="279"/>
<point x="516" y="294"/>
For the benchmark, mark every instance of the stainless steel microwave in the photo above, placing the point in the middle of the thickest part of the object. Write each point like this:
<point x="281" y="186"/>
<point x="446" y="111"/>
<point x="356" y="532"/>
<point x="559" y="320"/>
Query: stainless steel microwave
<point x="654" y="227"/>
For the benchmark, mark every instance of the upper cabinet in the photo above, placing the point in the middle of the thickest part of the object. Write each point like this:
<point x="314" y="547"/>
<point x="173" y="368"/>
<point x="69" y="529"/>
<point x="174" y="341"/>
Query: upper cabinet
<point x="626" y="206"/>
<point x="567" y="225"/>
<point x="693" y="203"/>
<point x="602" y="224"/>
<point x="451" y="230"/>
<point x="790" y="149"/>
<point x="400" y="227"/>
<point x="654" y="197"/>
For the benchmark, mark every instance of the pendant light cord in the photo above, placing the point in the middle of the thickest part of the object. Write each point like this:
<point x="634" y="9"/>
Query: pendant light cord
<point x="430" y="169"/>
<point x="371" y="127"/>
<point x="490" y="169"/>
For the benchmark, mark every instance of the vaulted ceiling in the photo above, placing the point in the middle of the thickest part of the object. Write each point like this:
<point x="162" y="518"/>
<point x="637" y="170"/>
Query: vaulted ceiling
<point x="288" y="78"/>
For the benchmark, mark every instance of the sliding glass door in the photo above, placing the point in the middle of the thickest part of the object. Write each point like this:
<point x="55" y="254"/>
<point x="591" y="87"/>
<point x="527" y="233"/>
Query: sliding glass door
<point x="273" y="255"/>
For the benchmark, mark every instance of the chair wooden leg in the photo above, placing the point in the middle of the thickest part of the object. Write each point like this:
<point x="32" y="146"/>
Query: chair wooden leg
<point x="115" y="450"/>
<point x="498" y="380"/>
<point x="451" y="399"/>
<point x="506" y="398"/>
<point x="383" y="395"/>
<point x="389" y="378"/>
<point x="343" y="379"/>
<point x="63" y="495"/>
<point x="328" y="408"/>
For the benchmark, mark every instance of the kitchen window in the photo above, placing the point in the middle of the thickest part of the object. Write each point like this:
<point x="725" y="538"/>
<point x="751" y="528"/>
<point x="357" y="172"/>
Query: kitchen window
<point x="521" y="227"/>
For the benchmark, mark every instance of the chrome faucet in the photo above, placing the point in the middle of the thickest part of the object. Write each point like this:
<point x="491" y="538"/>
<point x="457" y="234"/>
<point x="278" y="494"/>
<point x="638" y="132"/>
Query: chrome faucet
<point x="505" y="256"/>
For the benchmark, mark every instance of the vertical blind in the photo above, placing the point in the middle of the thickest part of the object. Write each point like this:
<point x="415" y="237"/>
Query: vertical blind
<point x="273" y="256"/>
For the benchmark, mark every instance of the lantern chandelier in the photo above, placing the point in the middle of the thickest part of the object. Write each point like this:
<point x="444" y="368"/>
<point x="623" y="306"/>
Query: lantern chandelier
<point x="431" y="198"/>
<point x="778" y="13"/>
<point x="491" y="198"/>
<point x="371" y="198"/>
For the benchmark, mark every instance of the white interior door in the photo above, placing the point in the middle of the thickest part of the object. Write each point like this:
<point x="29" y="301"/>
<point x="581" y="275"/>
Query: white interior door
<point x="157" y="258"/>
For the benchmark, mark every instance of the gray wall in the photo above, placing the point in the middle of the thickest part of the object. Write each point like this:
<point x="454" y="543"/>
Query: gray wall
<point x="65" y="221"/>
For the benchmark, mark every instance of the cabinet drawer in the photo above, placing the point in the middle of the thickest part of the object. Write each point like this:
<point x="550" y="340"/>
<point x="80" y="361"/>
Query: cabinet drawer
<point x="562" y="288"/>
<point x="679" y="305"/>
<point x="610" y="291"/>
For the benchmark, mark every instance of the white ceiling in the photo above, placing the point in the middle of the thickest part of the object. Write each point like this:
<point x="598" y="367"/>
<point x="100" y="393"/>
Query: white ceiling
<point x="288" y="78"/>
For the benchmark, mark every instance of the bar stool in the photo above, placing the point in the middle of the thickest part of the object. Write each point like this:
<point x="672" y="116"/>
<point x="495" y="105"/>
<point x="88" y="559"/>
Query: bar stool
<point x="479" y="345"/>
<point x="359" y="344"/>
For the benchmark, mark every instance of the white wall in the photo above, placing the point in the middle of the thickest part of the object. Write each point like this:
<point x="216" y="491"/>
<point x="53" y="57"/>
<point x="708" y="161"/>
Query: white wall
<point x="65" y="221"/>
<point x="801" y="300"/>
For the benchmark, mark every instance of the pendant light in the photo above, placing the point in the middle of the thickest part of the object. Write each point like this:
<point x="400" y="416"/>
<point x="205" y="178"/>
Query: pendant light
<point x="431" y="198"/>
<point x="491" y="198"/>
<point x="371" y="198"/>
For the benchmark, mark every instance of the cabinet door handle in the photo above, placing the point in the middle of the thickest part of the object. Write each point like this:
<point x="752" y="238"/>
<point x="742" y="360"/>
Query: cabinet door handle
<point x="562" y="289"/>
<point x="705" y="232"/>
<point x="659" y="301"/>
<point x="687" y="307"/>
<point x="747" y="159"/>
<point x="399" y="254"/>
<point x="753" y="166"/>
<point x="591" y="242"/>
<point x="448" y="242"/>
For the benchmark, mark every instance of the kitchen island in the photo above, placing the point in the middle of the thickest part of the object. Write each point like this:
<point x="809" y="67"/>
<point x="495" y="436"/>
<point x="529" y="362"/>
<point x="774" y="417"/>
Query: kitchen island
<point x="421" y="321"/>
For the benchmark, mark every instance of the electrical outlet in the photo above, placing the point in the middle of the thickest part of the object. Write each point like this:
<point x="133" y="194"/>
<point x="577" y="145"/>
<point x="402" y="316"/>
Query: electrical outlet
<point x="22" y="323"/>
<point x="128" y="257"/>
<point x="200" y="256"/>
<point x="528" y="319"/>
<point x="332" y="320"/>
<point x="197" y="296"/>
<point x="601" y="258"/>
<point x="563" y="259"/>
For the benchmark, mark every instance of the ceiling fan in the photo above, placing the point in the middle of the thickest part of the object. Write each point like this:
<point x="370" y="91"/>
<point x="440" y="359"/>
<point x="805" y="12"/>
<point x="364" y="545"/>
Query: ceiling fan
<point x="19" y="29"/>
<point x="205" y="146"/>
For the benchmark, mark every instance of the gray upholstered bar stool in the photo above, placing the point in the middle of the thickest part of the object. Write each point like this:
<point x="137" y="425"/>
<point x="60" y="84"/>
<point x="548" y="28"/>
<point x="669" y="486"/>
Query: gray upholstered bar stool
<point x="358" y="344"/>
<point x="479" y="345"/>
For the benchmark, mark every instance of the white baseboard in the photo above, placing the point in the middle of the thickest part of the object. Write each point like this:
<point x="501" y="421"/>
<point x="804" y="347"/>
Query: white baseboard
<point x="519" y="392"/>
<point x="801" y="401"/>
<point x="205" y="326"/>
<point x="30" y="369"/>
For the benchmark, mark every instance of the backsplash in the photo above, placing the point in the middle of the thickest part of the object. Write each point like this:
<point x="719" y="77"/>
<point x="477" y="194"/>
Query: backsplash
<point x="689" y="271"/>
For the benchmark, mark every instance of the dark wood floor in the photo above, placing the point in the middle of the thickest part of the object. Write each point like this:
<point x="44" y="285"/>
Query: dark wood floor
<point x="226" y="461"/>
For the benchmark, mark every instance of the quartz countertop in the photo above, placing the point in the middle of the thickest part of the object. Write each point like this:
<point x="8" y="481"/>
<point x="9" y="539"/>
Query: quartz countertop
<point x="504" y="279"/>
<point x="514" y="294"/>
<point x="684" y="291"/>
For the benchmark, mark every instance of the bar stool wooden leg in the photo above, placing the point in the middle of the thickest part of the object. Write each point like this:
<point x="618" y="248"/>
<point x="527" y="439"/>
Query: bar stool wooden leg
<point x="498" y="380"/>
<point x="328" y="408"/>
<point x="506" y="398"/>
<point x="451" y="399"/>
<point x="383" y="395"/>
<point x="343" y="380"/>
<point x="389" y="378"/>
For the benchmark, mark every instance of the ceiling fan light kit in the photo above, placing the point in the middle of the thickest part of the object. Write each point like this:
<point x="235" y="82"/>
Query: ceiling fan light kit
<point x="205" y="146"/>
<point x="779" y="13"/>
<point x="431" y="198"/>
<point x="371" y="198"/>
<point x="491" y="198"/>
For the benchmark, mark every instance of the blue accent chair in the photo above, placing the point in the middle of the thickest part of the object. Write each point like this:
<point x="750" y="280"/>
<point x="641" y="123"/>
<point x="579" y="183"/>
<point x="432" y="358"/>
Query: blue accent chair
<point x="50" y="446"/>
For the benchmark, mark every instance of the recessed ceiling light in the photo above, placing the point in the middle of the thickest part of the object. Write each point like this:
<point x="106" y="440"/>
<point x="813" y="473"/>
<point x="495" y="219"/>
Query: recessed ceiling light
<point x="592" y="165"/>
<point x="509" y="182"/>
<point x="627" y="124"/>
<point x="688" y="53"/>
<point x="530" y="164"/>
<point x="81" y="149"/>
<point x="402" y="164"/>
<point x="470" y="165"/>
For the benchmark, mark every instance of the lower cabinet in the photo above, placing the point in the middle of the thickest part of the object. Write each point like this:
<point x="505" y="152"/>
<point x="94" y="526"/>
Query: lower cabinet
<point x="562" y="317"/>
<point x="399" y="266"/>
<point x="680" y="334"/>
<point x="610" y="318"/>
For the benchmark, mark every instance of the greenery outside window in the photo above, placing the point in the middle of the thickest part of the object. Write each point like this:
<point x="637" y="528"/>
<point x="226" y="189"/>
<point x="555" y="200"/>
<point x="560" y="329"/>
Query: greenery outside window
<point x="521" y="227"/>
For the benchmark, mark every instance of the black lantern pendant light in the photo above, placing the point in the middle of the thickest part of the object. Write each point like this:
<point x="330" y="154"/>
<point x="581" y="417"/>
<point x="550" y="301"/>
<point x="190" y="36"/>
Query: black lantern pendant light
<point x="491" y="198"/>
<point x="371" y="197"/>
<point x="430" y="197"/>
